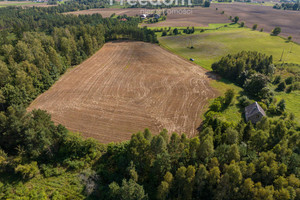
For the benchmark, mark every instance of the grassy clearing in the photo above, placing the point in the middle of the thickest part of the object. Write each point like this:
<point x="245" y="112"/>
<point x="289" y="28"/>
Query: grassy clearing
<point x="197" y="28"/>
<point x="232" y="113"/>
<point x="211" y="45"/>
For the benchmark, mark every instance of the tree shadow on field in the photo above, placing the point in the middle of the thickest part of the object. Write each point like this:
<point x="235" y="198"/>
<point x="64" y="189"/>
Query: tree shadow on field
<point x="213" y="75"/>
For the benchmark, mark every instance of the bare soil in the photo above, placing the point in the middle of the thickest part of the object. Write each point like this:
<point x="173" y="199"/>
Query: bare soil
<point x="266" y="17"/>
<point x="126" y="87"/>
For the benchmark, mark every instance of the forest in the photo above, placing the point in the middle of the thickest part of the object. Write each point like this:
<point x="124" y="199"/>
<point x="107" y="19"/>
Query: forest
<point x="225" y="161"/>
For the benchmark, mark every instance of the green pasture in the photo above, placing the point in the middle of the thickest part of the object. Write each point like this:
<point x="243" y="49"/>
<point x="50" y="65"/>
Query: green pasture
<point x="211" y="45"/>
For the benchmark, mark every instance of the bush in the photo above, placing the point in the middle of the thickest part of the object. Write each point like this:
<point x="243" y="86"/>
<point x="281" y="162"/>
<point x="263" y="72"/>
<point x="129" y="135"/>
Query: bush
<point x="216" y="106"/>
<point x="49" y="171"/>
<point x="281" y="106"/>
<point x="28" y="171"/>
<point x="74" y="164"/>
<point x="254" y="27"/>
<point x="244" y="101"/>
<point x="277" y="80"/>
<point x="276" y="31"/>
<point x="289" y="80"/>
<point x="229" y="95"/>
<point x="175" y="31"/>
<point x="281" y="87"/>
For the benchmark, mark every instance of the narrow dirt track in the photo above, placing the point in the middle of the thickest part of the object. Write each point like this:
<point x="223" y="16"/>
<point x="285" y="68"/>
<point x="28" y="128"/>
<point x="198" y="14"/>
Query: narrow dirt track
<point x="126" y="87"/>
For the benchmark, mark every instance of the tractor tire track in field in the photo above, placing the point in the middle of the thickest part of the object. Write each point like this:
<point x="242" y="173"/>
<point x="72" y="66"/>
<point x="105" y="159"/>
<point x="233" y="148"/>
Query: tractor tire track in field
<point x="126" y="87"/>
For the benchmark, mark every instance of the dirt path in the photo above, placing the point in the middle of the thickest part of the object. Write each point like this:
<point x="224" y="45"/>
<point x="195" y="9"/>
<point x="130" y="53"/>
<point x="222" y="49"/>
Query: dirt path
<point x="126" y="87"/>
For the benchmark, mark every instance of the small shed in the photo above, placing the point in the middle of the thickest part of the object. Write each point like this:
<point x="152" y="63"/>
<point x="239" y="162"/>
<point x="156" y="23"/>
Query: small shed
<point x="254" y="113"/>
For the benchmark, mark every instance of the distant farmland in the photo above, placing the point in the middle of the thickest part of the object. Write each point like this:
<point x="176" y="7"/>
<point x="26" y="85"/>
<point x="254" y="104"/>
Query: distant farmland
<point x="265" y="16"/>
<point x="23" y="4"/>
<point x="126" y="87"/>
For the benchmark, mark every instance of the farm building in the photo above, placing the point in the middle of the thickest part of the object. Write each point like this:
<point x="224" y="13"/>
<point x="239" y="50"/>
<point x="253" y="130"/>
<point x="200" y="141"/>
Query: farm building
<point x="143" y="16"/>
<point x="254" y="113"/>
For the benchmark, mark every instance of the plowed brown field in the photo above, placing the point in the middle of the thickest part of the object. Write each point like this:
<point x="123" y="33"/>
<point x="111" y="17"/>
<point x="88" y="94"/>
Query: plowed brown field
<point x="126" y="87"/>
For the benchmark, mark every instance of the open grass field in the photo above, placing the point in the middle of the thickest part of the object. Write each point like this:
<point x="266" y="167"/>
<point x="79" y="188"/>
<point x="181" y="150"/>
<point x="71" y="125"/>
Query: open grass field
<point x="126" y="87"/>
<point x="211" y="45"/>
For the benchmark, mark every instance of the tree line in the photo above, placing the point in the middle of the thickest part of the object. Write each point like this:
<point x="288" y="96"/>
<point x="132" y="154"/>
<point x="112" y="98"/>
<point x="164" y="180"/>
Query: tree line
<point x="287" y="6"/>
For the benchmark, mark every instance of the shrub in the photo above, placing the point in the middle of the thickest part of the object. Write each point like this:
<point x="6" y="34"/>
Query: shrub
<point x="28" y="171"/>
<point x="254" y="27"/>
<point x="74" y="164"/>
<point x="229" y="95"/>
<point x="281" y="87"/>
<point x="244" y="101"/>
<point x="281" y="106"/>
<point x="50" y="171"/>
<point x="217" y="104"/>
<point x="236" y="19"/>
<point x="276" y="31"/>
<point x="289" y="80"/>
<point x="277" y="80"/>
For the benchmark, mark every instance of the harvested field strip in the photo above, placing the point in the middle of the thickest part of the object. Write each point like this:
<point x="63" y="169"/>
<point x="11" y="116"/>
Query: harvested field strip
<point x="126" y="87"/>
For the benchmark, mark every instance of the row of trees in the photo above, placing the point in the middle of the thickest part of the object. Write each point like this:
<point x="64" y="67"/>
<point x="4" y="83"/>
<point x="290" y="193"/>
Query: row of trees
<point x="288" y="6"/>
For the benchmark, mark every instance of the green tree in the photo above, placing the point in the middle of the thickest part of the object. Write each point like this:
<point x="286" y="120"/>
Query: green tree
<point x="281" y="87"/>
<point x="175" y="31"/>
<point x="129" y="190"/>
<point x="281" y="106"/>
<point x="236" y="19"/>
<point x="4" y="74"/>
<point x="231" y="136"/>
<point x="276" y="31"/>
<point x="229" y="95"/>
<point x="165" y="186"/>
<point x="254" y="27"/>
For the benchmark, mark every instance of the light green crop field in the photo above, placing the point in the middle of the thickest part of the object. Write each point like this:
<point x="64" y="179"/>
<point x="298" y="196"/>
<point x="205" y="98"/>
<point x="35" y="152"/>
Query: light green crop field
<point x="211" y="45"/>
